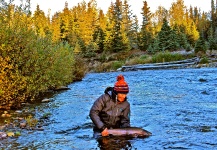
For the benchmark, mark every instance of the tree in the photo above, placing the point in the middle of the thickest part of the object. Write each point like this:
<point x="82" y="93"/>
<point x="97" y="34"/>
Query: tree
<point x="212" y="39"/>
<point x="99" y="32"/>
<point x="117" y="40"/>
<point x="157" y="20"/>
<point x="41" y="22"/>
<point x="130" y="25"/>
<point x="98" y="38"/>
<point x="65" y="18"/>
<point x="167" y="38"/>
<point x="200" y="46"/>
<point x="55" y="28"/>
<point x="181" y="37"/>
<point x="179" y="17"/>
<point x="177" y="13"/>
<point x="109" y="28"/>
<point x="134" y="34"/>
<point x="146" y="34"/>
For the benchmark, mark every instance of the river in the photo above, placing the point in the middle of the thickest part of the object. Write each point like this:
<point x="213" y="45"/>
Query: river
<point x="178" y="106"/>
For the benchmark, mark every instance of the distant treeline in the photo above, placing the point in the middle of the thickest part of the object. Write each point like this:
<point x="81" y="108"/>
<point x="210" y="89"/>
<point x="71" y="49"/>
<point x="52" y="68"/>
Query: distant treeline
<point x="39" y="52"/>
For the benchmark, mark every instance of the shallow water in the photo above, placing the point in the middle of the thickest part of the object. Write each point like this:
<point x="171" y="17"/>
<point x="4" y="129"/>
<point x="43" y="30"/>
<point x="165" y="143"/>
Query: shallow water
<point x="179" y="107"/>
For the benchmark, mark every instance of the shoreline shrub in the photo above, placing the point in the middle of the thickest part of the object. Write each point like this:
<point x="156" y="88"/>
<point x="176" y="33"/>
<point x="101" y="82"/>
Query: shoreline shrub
<point x="29" y="64"/>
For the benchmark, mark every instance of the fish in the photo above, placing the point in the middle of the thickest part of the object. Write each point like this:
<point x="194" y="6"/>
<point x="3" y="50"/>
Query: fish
<point x="130" y="131"/>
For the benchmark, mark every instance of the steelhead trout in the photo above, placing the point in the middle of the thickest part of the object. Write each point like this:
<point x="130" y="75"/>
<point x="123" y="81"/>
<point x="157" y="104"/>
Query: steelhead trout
<point x="131" y="131"/>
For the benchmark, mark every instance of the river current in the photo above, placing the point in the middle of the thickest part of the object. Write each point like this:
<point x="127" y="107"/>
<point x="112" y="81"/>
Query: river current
<point x="178" y="106"/>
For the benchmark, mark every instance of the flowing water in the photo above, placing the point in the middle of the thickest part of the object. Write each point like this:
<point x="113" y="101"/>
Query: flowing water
<point x="179" y="107"/>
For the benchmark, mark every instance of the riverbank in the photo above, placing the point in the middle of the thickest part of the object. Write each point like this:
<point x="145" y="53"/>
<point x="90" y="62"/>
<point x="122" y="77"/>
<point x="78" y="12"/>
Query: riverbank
<point x="138" y="60"/>
<point x="187" y="63"/>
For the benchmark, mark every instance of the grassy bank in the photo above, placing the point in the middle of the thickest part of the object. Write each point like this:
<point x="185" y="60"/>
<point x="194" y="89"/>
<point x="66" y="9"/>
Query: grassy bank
<point x="114" y="61"/>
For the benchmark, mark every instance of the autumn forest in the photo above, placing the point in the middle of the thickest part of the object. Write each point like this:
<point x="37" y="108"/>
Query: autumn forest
<point x="39" y="52"/>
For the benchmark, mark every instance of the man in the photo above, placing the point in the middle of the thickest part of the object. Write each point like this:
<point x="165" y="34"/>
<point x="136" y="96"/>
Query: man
<point x="111" y="110"/>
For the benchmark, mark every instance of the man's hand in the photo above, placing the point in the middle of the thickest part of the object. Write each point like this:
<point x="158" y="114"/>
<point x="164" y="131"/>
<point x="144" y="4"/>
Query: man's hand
<point x="105" y="132"/>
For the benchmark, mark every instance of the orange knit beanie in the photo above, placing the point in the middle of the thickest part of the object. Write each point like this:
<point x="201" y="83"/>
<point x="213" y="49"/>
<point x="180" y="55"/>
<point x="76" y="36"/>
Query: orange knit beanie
<point x="121" y="85"/>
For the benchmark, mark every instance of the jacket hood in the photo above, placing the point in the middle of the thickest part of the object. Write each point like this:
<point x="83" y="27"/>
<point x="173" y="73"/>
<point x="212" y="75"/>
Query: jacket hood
<point x="110" y="91"/>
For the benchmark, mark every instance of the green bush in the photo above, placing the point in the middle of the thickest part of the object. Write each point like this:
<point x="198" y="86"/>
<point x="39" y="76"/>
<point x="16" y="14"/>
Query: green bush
<point x="166" y="57"/>
<point x="204" y="60"/>
<point x="116" y="65"/>
<point x="139" y="60"/>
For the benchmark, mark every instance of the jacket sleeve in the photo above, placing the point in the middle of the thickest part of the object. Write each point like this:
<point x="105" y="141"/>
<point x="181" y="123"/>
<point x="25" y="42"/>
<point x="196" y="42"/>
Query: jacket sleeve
<point x="125" y="120"/>
<point x="95" y="110"/>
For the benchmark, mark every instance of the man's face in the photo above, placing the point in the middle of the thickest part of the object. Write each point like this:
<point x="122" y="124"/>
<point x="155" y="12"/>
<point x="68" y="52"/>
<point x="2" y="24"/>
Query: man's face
<point x="121" y="97"/>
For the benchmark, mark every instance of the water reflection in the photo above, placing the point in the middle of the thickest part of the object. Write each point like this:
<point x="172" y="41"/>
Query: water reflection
<point x="114" y="143"/>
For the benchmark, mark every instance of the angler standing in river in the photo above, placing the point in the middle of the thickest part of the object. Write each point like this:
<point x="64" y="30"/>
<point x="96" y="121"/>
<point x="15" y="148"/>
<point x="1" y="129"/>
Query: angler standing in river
<point x="111" y="110"/>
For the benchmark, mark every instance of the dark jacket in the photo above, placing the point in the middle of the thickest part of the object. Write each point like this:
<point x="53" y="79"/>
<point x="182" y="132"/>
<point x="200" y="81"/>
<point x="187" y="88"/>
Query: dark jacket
<point x="106" y="112"/>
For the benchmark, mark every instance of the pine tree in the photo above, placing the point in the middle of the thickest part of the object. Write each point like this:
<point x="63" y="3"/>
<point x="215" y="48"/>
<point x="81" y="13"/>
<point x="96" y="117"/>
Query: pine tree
<point x="167" y="38"/>
<point x="213" y="15"/>
<point x="146" y="34"/>
<point x="65" y="18"/>
<point x="181" y="36"/>
<point x="117" y="40"/>
<point x="98" y="38"/>
<point x="212" y="39"/>
<point x="134" y="35"/>
<point x="130" y="25"/>
<point x="109" y="28"/>
<point x="200" y="46"/>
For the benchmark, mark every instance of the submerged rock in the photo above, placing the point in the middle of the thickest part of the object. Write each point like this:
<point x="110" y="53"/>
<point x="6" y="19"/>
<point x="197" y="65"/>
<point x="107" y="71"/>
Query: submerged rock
<point x="3" y="135"/>
<point x="202" y="80"/>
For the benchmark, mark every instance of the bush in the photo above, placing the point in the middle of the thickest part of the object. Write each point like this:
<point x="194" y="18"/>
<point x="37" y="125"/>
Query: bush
<point x="204" y="60"/>
<point x="139" y="60"/>
<point x="79" y="68"/>
<point x="116" y="65"/>
<point x="30" y="64"/>
<point x="166" y="57"/>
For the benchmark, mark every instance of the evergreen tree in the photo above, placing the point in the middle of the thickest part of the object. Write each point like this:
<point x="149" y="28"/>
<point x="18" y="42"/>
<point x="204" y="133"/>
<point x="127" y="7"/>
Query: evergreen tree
<point x="213" y="14"/>
<point x="65" y="18"/>
<point x="167" y="38"/>
<point x="146" y="35"/>
<point x="130" y="25"/>
<point x="98" y="38"/>
<point x="154" y="47"/>
<point x="181" y="36"/>
<point x="117" y="40"/>
<point x="212" y="39"/>
<point x="200" y="46"/>
<point x="109" y="28"/>
<point x="134" y="38"/>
